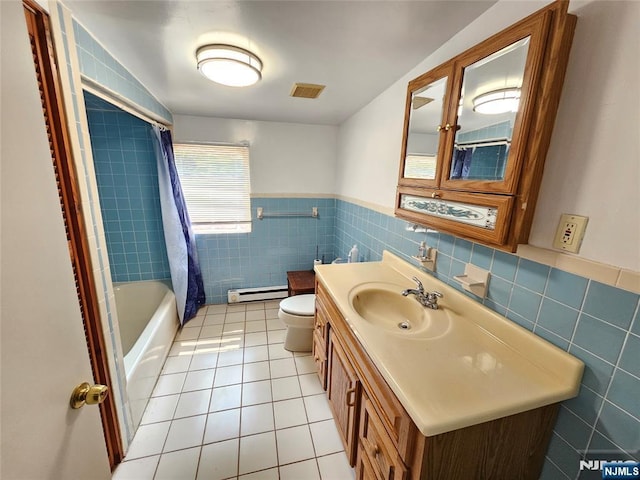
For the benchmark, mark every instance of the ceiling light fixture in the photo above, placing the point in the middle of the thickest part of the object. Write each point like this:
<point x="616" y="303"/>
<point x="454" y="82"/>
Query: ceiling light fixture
<point x="229" y="65"/>
<point x="497" y="101"/>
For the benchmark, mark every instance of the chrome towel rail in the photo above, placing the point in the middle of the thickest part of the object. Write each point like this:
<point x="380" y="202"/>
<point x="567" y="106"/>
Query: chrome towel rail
<point x="260" y="214"/>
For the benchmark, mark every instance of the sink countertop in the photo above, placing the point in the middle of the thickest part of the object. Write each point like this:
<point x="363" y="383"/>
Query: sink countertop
<point x="483" y="368"/>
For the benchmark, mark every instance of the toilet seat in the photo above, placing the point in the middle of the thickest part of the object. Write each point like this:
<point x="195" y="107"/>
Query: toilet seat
<point x="300" y="305"/>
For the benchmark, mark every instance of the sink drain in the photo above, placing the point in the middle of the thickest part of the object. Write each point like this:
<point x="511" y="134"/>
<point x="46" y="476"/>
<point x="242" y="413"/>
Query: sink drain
<point x="404" y="325"/>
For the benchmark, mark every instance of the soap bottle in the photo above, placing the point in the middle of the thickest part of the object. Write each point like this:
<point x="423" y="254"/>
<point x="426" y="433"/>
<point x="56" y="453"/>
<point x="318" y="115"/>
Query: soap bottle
<point x="353" y="254"/>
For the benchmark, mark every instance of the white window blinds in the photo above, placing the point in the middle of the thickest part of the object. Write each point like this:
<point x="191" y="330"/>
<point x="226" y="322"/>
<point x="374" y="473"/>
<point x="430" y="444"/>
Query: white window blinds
<point x="215" y="183"/>
<point x="420" y="166"/>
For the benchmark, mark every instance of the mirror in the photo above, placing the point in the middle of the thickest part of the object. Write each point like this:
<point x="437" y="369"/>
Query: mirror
<point x="427" y="106"/>
<point x="489" y="102"/>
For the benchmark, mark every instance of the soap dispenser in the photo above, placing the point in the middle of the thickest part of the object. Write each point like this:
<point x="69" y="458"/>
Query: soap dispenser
<point x="353" y="254"/>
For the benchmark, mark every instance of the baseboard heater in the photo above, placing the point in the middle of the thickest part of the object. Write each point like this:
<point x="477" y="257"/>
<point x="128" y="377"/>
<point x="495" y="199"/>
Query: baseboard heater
<point x="240" y="295"/>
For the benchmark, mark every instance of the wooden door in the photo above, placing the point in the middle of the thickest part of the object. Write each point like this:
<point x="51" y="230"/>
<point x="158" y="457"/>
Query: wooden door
<point x="44" y="350"/>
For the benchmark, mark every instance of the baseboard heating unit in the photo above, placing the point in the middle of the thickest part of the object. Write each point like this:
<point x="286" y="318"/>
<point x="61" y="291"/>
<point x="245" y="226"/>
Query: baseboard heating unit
<point x="240" y="295"/>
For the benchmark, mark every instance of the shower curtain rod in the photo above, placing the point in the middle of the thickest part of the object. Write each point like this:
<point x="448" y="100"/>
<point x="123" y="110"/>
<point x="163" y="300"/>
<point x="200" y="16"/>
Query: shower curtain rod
<point x="483" y="143"/>
<point x="121" y="102"/>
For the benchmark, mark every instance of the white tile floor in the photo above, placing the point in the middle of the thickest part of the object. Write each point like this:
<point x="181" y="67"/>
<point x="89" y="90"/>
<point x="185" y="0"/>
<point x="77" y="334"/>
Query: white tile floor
<point x="232" y="403"/>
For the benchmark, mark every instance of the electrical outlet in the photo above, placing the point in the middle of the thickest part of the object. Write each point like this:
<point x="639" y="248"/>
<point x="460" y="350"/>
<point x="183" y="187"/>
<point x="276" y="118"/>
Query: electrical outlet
<point x="570" y="232"/>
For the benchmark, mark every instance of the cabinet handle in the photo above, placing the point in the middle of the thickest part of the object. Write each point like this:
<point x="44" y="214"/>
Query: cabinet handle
<point x="352" y="402"/>
<point x="375" y="450"/>
<point x="439" y="128"/>
<point x="435" y="195"/>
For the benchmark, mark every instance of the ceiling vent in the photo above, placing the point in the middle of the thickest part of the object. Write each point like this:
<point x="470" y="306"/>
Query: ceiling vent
<point x="306" y="90"/>
<point x="418" y="102"/>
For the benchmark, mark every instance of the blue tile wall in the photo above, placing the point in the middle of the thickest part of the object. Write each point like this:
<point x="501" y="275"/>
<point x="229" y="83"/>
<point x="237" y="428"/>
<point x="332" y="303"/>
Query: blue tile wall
<point x="275" y="246"/>
<point x="100" y="66"/>
<point x="488" y="162"/>
<point x="597" y="323"/>
<point x="127" y="178"/>
<point x="499" y="130"/>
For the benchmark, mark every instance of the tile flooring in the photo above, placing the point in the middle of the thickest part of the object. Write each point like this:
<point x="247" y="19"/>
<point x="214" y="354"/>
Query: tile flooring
<point x="232" y="403"/>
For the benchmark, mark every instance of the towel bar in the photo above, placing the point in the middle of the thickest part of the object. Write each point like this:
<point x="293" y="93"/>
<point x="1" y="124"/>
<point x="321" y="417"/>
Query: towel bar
<point x="260" y="214"/>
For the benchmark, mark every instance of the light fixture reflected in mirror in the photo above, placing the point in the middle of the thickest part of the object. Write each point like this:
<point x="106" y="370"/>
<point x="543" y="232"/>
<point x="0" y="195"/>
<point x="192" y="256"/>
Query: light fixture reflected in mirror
<point x="497" y="101"/>
<point x="229" y="65"/>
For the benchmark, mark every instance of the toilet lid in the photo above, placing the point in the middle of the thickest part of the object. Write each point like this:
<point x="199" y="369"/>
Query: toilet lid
<point x="299" y="305"/>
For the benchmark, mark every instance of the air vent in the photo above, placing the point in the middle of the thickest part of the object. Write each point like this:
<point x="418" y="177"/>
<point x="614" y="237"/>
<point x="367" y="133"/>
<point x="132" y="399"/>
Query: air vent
<point x="418" y="102"/>
<point x="306" y="90"/>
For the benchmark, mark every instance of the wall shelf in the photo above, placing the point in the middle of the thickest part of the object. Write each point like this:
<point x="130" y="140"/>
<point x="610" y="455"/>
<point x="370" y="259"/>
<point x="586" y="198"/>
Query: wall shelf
<point x="474" y="280"/>
<point x="427" y="261"/>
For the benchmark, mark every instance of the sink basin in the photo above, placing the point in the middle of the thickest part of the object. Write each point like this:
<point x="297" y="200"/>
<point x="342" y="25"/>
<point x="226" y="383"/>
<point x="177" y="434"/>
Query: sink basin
<point x="382" y="305"/>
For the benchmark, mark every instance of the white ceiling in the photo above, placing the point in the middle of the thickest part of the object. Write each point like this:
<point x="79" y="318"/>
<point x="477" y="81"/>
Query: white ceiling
<point x="357" y="48"/>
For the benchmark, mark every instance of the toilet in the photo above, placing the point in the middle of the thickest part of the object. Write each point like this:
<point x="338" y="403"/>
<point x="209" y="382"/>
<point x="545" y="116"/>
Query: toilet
<point x="297" y="314"/>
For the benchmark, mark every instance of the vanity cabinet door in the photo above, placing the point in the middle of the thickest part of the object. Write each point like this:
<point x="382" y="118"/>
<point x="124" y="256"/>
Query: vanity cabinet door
<point x="343" y="391"/>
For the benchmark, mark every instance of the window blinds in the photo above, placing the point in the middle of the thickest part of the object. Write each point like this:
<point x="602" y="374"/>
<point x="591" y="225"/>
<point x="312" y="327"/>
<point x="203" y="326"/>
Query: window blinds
<point x="216" y="186"/>
<point x="420" y="166"/>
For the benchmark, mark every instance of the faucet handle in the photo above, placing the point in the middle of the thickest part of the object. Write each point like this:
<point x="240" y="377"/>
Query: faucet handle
<point x="419" y="283"/>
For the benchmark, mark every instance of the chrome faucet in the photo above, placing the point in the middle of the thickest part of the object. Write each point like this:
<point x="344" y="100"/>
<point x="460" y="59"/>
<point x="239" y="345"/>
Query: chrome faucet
<point x="427" y="299"/>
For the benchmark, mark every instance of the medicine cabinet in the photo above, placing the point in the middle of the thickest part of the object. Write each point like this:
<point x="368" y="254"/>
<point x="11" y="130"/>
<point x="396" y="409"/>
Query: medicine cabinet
<point x="477" y="129"/>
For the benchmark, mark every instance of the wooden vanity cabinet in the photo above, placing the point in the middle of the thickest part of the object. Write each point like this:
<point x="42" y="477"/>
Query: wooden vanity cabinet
<point x="382" y="441"/>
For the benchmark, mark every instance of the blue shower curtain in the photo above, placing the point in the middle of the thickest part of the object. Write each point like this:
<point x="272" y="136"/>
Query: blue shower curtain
<point x="461" y="163"/>
<point x="181" y="246"/>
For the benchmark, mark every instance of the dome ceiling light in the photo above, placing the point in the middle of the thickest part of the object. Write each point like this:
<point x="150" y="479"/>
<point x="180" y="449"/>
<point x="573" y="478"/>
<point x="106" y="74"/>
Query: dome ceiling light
<point x="229" y="65"/>
<point x="497" y="101"/>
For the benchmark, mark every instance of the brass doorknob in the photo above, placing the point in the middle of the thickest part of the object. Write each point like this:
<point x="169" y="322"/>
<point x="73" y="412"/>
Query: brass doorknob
<point x="89" y="394"/>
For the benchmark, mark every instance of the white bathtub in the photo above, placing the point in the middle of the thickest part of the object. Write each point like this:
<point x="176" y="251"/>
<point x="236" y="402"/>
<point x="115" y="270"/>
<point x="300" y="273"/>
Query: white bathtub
<point x="148" y="321"/>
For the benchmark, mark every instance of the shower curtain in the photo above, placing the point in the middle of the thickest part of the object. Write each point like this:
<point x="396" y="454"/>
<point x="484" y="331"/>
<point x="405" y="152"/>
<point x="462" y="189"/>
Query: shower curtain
<point x="181" y="246"/>
<point x="461" y="163"/>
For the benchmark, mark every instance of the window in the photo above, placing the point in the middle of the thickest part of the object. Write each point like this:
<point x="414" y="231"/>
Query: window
<point x="215" y="183"/>
<point x="420" y="166"/>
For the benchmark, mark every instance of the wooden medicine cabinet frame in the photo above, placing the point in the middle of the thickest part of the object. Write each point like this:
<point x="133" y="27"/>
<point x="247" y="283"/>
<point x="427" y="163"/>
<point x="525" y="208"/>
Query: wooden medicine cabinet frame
<point x="512" y="198"/>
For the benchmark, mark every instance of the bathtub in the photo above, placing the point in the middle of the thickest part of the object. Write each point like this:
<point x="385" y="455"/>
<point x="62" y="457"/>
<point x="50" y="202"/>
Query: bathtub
<point x="148" y="321"/>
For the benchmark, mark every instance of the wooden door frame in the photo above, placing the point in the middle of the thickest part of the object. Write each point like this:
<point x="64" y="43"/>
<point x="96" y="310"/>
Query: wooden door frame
<point x="47" y="74"/>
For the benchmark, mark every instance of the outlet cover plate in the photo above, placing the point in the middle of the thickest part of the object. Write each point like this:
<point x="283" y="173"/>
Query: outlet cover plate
<point x="570" y="232"/>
